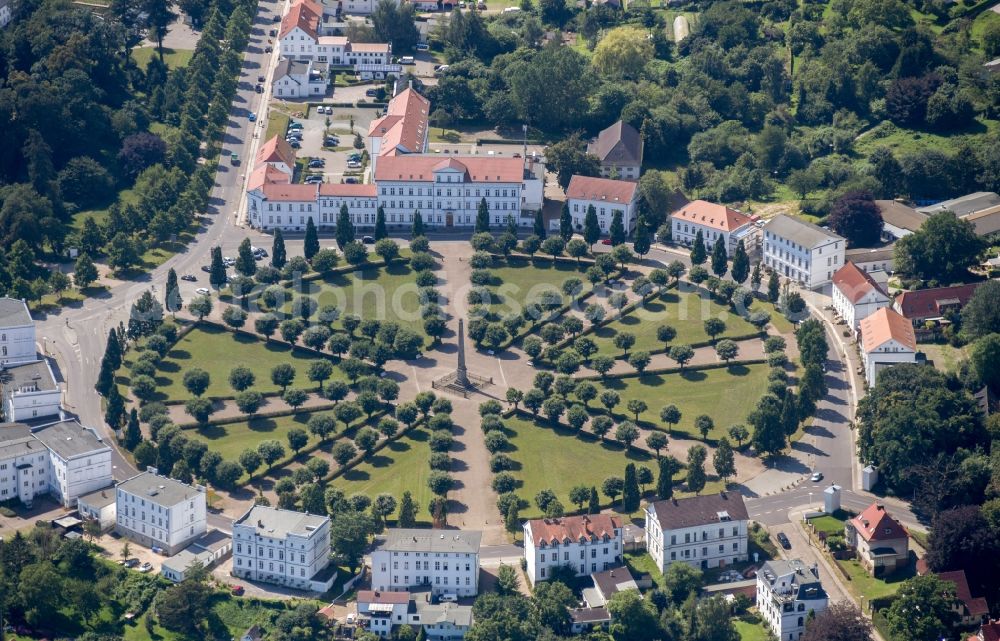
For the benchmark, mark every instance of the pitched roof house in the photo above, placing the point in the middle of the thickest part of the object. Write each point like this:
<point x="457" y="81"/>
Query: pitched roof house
<point x="880" y="541"/>
<point x="932" y="304"/>
<point x="887" y="339"/>
<point x="971" y="610"/>
<point x="619" y="148"/>
<point x="856" y="295"/>
<point x="585" y="544"/>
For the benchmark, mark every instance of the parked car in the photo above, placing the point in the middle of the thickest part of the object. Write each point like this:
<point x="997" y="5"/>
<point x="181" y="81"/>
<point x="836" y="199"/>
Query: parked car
<point x="294" y="135"/>
<point x="131" y="563"/>
<point x="353" y="164"/>
<point x="260" y="78"/>
<point x="295" y="125"/>
<point x="259" y="88"/>
<point x="272" y="32"/>
<point x="313" y="180"/>
<point x="189" y="277"/>
<point x="268" y="49"/>
<point x="371" y="93"/>
<point x="407" y="60"/>
<point x="606" y="241"/>
<point x="206" y="268"/>
<point x="316" y="162"/>
<point x="294" y="144"/>
<point x="228" y="261"/>
<point x="333" y="142"/>
<point x="783" y="540"/>
<point x="351" y="180"/>
<point x="276" y="17"/>
<point x="449" y="597"/>
<point x="146" y="567"/>
<point x="422" y="46"/>
<point x="440" y="69"/>
<point x="237" y="590"/>
<point x="252" y="117"/>
<point x="817" y="476"/>
<point x="202" y="291"/>
<point x="368" y="240"/>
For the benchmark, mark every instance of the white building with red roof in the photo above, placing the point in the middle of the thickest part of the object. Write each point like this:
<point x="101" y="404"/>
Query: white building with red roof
<point x="403" y="129"/>
<point x="887" y="339"/>
<point x="714" y="221"/>
<point x="304" y="36"/>
<point x="585" y="544"/>
<point x="856" y="295"/>
<point x="278" y="154"/>
<point x="606" y="196"/>
<point x="880" y="541"/>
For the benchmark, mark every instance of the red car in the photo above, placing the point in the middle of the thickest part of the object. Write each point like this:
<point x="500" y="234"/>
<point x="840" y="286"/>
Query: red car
<point x="606" y="241"/>
<point x="237" y="590"/>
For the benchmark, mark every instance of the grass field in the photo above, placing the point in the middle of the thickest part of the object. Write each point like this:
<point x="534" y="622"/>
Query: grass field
<point x="523" y="282"/>
<point x="231" y="439"/>
<point x="686" y="312"/>
<point x="173" y="58"/>
<point x="398" y="467"/>
<point x="864" y="584"/>
<point x="905" y="141"/>
<point x="750" y="631"/>
<point x="725" y="394"/>
<point x="945" y="357"/>
<point x="558" y="459"/>
<point x="218" y="351"/>
<point x="828" y="524"/>
<point x="382" y="293"/>
<point x="641" y="563"/>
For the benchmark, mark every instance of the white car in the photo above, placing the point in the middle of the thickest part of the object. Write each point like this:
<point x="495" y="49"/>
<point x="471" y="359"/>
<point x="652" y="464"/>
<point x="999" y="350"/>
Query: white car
<point x="817" y="476"/>
<point x="449" y="598"/>
<point x="202" y="291"/>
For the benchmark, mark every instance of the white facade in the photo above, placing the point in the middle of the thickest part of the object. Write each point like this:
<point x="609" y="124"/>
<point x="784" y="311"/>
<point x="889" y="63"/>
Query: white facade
<point x="6" y="15"/>
<point x="787" y="592"/>
<point x="281" y="546"/>
<point x="289" y="207"/>
<point x="63" y="459"/>
<point x="801" y="251"/>
<point x="586" y="544"/>
<point x="607" y="197"/>
<point x="887" y="339"/>
<point x="446" y="561"/>
<point x="100" y="506"/>
<point x="856" y="296"/>
<point x="703" y="531"/>
<point x="30" y="392"/>
<point x="17" y="332"/>
<point x="298" y="79"/>
<point x="448" y="198"/>
<point x="715" y="222"/>
<point x="160" y="512"/>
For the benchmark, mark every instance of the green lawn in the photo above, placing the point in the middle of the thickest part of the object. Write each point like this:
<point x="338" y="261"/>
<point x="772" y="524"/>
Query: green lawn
<point x="400" y="466"/>
<point x="945" y="357"/>
<point x="277" y="124"/>
<point x="218" y="351"/>
<point x="518" y="283"/>
<point x="640" y="563"/>
<point x="382" y="293"/>
<point x="554" y="459"/>
<point x="867" y="586"/>
<point x="686" y="312"/>
<point x="231" y="439"/>
<point x="905" y="141"/>
<point x="173" y="58"/>
<point x="725" y="394"/>
<point x="828" y="524"/>
<point x="751" y="631"/>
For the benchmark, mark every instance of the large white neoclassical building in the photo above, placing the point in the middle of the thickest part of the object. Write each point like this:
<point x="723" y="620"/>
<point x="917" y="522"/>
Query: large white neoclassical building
<point x="160" y="512"/>
<point x="283" y="547"/>
<point x="585" y="544"/>
<point x="801" y="251"/>
<point x="443" y="561"/>
<point x="705" y="531"/>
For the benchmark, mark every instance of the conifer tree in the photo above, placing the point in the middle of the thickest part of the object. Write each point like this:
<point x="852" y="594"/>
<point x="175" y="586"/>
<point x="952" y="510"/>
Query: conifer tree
<point x="311" y="245"/>
<point x="380" y="230"/>
<point x="278" y="255"/>
<point x="698" y="252"/>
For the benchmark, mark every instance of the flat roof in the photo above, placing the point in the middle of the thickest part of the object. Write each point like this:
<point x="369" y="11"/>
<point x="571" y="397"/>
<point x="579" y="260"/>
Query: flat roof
<point x="69" y="439"/>
<point x="100" y="498"/>
<point x="183" y="559"/>
<point x="416" y="540"/>
<point x="278" y="524"/>
<point x="157" y="489"/>
<point x="36" y="374"/>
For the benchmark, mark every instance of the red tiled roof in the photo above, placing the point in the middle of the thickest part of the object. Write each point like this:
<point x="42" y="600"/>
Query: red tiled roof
<point x="264" y="174"/>
<point x="855" y="283"/>
<point x="370" y="46"/>
<point x="875" y="524"/>
<point x="290" y="192"/>
<point x="382" y="596"/>
<point x="924" y="303"/>
<point x="347" y="190"/>
<point x="276" y="150"/>
<point x="702" y="212"/>
<point x="989" y="632"/>
<point x="573" y="528"/>
<point x="305" y="15"/>
<point x="976" y="606"/>
<point x="404" y="123"/>
<point x="885" y="325"/>
<point x="421" y="168"/>
<point x="606" y="189"/>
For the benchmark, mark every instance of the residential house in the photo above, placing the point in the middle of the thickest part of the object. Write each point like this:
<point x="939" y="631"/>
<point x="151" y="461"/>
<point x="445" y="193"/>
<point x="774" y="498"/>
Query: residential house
<point x="970" y="610"/>
<point x="380" y="612"/>
<point x="253" y="633"/>
<point x="275" y="153"/>
<point x="787" y="592"/>
<point x="306" y="34"/>
<point x="887" y="339"/>
<point x="586" y="544"/>
<point x="619" y="148"/>
<point x="989" y="631"/>
<point x="100" y="506"/>
<point x="981" y="208"/>
<point x="29" y="391"/>
<point x="878" y="259"/>
<point x="446" y="561"/>
<point x="606" y="585"/>
<point x="607" y="197"/>
<point x="283" y="547"/>
<point x="801" y="251"/>
<point x="206" y="551"/>
<point x="705" y="531"/>
<point x="715" y="222"/>
<point x="160" y="512"/>
<point x="63" y="459"/>
<point x="880" y="541"/>
<point x="856" y="295"/>
<point x="298" y="79"/>
<point x="933" y="304"/>
<point x="17" y="332"/>
<point x="898" y="220"/>
<point x="402" y="129"/>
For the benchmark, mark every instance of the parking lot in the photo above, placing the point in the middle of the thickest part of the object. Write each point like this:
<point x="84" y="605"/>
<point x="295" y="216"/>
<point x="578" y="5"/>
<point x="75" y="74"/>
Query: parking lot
<point x="315" y="126"/>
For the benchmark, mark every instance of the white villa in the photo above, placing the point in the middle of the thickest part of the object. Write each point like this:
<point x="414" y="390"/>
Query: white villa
<point x="587" y="544"/>
<point x="606" y="196"/>
<point x="706" y="531"/>
<point x="787" y="591"/>
<point x="445" y="561"/>
<point x="856" y="295"/>
<point x="160" y="512"/>
<point x="714" y="222"/>
<point x="802" y="251"/>
<point x="283" y="547"/>
<point x="887" y="339"/>
<point x="30" y="391"/>
<point x="17" y="332"/>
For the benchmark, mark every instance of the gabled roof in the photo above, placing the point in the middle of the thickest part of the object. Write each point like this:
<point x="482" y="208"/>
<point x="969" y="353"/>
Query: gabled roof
<point x="573" y="529"/>
<point x="924" y="303"/>
<point x="800" y="232"/>
<point x="291" y="69"/>
<point x="345" y="190"/>
<point x="603" y="189"/>
<point x="855" y="283"/>
<point x="706" y="214"/>
<point x="884" y="325"/>
<point x="305" y="15"/>
<point x="264" y="174"/>
<point x="976" y="606"/>
<point x="376" y="47"/>
<point x="899" y="215"/>
<point x="965" y="205"/>
<point x="989" y="632"/>
<point x="868" y="254"/>
<point x="421" y="168"/>
<point x="875" y="524"/>
<point x="619" y="144"/>
<point x="404" y="123"/>
<point x="276" y="150"/>
<point x="253" y="633"/>
<point x="707" y="509"/>
<point x="279" y="192"/>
